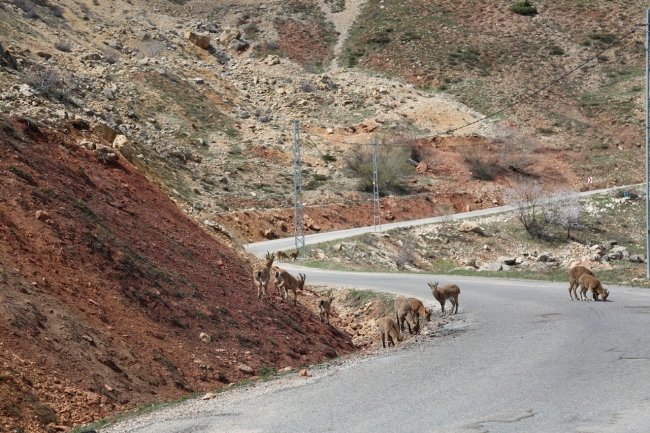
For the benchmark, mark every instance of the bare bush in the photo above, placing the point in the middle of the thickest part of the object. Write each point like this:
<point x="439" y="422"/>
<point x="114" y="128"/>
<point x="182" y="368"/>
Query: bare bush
<point x="63" y="45"/>
<point x="45" y="81"/>
<point x="307" y="86"/>
<point x="483" y="164"/>
<point x="527" y="200"/>
<point x="392" y="168"/>
<point x="562" y="209"/>
<point x="515" y="153"/>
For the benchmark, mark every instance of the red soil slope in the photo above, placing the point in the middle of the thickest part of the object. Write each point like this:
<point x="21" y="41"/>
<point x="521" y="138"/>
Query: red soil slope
<point x="103" y="299"/>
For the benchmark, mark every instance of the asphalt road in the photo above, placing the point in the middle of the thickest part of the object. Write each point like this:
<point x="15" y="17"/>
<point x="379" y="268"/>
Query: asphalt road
<point x="519" y="357"/>
<point x="259" y="249"/>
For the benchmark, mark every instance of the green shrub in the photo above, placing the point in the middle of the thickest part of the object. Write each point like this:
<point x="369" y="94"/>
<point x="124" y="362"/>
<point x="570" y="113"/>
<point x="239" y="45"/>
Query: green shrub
<point x="392" y="168"/>
<point x="523" y="8"/>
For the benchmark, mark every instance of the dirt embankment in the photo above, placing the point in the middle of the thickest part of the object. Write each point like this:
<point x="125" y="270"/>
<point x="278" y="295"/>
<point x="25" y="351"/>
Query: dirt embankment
<point x="106" y="287"/>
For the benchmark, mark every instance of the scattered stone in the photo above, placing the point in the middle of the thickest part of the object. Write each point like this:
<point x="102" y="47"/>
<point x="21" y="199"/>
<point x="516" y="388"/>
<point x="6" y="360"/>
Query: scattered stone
<point x="6" y="60"/>
<point x="201" y="41"/>
<point x="508" y="260"/>
<point x="105" y="132"/>
<point x="637" y="258"/>
<point x="544" y="257"/>
<point x="470" y="226"/>
<point x="119" y="141"/>
<point x="79" y="123"/>
<point x="244" y="368"/>
<point x="42" y="215"/>
<point x="490" y="267"/>
<point x="44" y="55"/>
<point x="272" y="59"/>
<point x="238" y="45"/>
<point x="303" y="373"/>
<point x="205" y="337"/>
<point x="608" y="245"/>
<point x="106" y="155"/>
<point x="92" y="56"/>
<point x="228" y="35"/>
<point x="209" y="396"/>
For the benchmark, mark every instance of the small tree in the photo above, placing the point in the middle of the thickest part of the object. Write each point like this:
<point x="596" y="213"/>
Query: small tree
<point x="527" y="200"/>
<point x="523" y="8"/>
<point x="392" y="168"/>
<point x="563" y="209"/>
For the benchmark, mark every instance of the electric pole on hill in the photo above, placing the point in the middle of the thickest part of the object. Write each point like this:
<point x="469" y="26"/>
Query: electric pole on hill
<point x="647" y="140"/>
<point x="375" y="189"/>
<point x="298" y="205"/>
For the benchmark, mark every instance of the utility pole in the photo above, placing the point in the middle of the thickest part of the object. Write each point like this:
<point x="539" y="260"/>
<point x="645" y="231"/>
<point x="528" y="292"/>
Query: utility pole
<point x="375" y="189"/>
<point x="298" y="205"/>
<point x="647" y="139"/>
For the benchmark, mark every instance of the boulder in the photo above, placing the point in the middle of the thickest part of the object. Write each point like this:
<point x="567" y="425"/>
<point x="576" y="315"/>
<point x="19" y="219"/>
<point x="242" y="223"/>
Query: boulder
<point x="637" y="258"/>
<point x="544" y="257"/>
<point x="490" y="267"/>
<point x="41" y="215"/>
<point x="244" y="368"/>
<point x="229" y="35"/>
<point x="238" y="45"/>
<point x="608" y="245"/>
<point x="470" y="226"/>
<point x="105" y="132"/>
<point x="201" y="41"/>
<point x="6" y="60"/>
<point x="119" y="141"/>
<point x="508" y="260"/>
<point x="506" y="267"/>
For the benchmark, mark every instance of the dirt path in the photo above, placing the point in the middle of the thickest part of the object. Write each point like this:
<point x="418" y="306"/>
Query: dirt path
<point x="342" y="22"/>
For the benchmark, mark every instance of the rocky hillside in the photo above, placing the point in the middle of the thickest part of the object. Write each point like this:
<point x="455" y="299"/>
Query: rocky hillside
<point x="121" y="118"/>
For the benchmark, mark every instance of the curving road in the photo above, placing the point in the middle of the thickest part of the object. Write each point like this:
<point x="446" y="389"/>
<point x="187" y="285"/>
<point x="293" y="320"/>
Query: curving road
<point x="519" y="357"/>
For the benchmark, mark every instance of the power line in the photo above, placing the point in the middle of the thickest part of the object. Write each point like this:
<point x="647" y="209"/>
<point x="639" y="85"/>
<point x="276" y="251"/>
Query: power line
<point x="493" y="114"/>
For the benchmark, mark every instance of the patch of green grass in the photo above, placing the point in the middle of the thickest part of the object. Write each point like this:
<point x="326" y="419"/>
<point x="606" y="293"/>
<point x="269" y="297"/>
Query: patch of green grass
<point x="523" y="8"/>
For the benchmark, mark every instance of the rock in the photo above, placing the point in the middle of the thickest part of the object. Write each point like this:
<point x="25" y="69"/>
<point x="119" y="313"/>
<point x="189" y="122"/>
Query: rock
<point x="508" y="260"/>
<point x="205" y="337"/>
<point x="211" y="28"/>
<point x="303" y="373"/>
<point x="544" y="257"/>
<point x="79" y="123"/>
<point x="105" y="132"/>
<point x="244" y="368"/>
<point x="598" y="249"/>
<point x="470" y="226"/>
<point x="270" y="234"/>
<point x="238" y="45"/>
<point x="491" y="267"/>
<point x="519" y="260"/>
<point x="608" y="245"/>
<point x="106" y="155"/>
<point x="119" y="141"/>
<point x="637" y="258"/>
<point x="92" y="56"/>
<point x="127" y="151"/>
<point x="108" y="388"/>
<point x="199" y="81"/>
<point x="209" y="396"/>
<point x="201" y="41"/>
<point x="6" y="60"/>
<point x="229" y="35"/>
<point x="470" y="263"/>
<point x="330" y="131"/>
<point x="44" y="55"/>
<point x="41" y="215"/>
<point x="421" y="168"/>
<point x="92" y="398"/>
<point x="272" y="59"/>
<point x="109" y="94"/>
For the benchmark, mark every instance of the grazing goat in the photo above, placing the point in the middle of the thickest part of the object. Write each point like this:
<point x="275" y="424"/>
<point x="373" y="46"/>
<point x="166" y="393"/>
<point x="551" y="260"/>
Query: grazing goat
<point x="574" y="275"/>
<point x="419" y="309"/>
<point x="450" y="291"/>
<point x="404" y="313"/>
<point x="281" y="255"/>
<point x="293" y="256"/>
<point x="388" y="331"/>
<point x="324" y="305"/>
<point x="589" y="282"/>
<point x="262" y="275"/>
<point x="288" y="282"/>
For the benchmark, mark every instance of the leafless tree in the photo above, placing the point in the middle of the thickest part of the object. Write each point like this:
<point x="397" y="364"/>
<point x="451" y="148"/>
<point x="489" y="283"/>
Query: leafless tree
<point x="527" y="198"/>
<point x="563" y="209"/>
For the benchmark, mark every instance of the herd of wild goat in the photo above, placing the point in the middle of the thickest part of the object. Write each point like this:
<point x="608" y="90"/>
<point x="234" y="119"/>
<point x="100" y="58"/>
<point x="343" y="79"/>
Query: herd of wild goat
<point x="407" y="310"/>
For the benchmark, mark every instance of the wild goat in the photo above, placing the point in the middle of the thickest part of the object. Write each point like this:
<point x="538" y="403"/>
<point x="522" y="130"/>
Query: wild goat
<point x="281" y="255"/>
<point x="589" y="282"/>
<point x="450" y="291"/>
<point x="288" y="282"/>
<point x="294" y="255"/>
<point x="388" y="331"/>
<point x="419" y="309"/>
<point x="404" y="313"/>
<point x="262" y="275"/>
<point x="324" y="305"/>
<point x="574" y="275"/>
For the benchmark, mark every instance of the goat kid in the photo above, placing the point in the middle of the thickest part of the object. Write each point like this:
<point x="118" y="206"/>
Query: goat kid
<point x="450" y="291"/>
